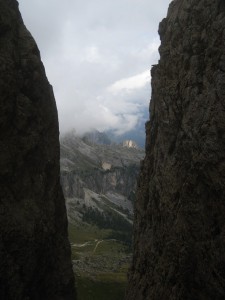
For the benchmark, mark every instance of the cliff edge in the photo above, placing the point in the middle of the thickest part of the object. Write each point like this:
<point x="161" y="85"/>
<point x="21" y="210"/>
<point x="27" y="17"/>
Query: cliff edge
<point x="34" y="249"/>
<point x="179" y="229"/>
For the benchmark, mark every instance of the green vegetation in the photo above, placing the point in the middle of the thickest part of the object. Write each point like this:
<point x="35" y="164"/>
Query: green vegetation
<point x="108" y="220"/>
<point x="89" y="289"/>
<point x="84" y="232"/>
<point x="101" y="259"/>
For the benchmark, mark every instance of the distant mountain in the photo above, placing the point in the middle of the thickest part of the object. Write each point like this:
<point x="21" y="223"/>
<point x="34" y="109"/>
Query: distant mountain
<point x="96" y="137"/>
<point x="137" y="134"/>
<point x="130" y="144"/>
<point x="99" y="180"/>
<point x="99" y="184"/>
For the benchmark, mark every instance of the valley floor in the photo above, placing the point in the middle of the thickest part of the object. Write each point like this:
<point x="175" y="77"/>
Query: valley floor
<point x="100" y="262"/>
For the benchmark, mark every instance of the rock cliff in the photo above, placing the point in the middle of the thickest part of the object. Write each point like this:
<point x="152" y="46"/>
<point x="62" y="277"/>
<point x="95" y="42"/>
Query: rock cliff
<point x="179" y="231"/>
<point x="101" y="168"/>
<point x="130" y="144"/>
<point x="98" y="176"/>
<point x="34" y="249"/>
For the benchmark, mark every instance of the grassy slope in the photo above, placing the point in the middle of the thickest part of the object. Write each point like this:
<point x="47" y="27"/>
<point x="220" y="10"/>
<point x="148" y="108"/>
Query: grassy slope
<point x="100" y="272"/>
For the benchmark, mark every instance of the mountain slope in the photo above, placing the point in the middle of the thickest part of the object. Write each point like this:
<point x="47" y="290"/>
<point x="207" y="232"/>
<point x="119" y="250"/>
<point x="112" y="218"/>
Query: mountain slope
<point x="99" y="183"/>
<point x="101" y="177"/>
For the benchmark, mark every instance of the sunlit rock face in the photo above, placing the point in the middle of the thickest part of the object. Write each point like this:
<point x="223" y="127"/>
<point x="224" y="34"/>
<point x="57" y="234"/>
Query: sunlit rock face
<point x="179" y="229"/>
<point x="34" y="249"/>
<point x="130" y="144"/>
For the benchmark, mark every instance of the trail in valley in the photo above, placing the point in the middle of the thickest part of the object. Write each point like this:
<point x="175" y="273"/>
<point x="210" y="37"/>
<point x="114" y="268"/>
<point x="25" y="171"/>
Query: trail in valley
<point x="97" y="245"/>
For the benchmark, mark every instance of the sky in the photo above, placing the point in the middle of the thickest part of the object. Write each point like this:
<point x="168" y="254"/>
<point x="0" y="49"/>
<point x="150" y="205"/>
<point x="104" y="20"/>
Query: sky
<point x="97" y="55"/>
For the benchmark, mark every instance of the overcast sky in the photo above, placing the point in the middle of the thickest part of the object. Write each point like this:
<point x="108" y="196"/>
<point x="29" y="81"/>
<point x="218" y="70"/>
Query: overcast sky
<point x="97" y="55"/>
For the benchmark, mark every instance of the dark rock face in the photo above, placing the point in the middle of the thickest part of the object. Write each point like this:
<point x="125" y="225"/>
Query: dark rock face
<point x="34" y="249"/>
<point x="179" y="233"/>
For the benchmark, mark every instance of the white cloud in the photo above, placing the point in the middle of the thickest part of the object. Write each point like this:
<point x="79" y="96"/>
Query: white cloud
<point x="92" y="55"/>
<point x="134" y="82"/>
<point x="97" y="55"/>
<point x="151" y="49"/>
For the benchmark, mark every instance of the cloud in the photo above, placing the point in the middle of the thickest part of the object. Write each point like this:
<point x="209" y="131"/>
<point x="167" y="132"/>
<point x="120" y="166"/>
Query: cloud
<point x="134" y="82"/>
<point x="97" y="55"/>
<point x="92" y="55"/>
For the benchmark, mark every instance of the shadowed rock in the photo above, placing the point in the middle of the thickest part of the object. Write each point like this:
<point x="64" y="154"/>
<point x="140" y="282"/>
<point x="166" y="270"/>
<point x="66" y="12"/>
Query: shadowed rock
<point x="34" y="249"/>
<point x="179" y="231"/>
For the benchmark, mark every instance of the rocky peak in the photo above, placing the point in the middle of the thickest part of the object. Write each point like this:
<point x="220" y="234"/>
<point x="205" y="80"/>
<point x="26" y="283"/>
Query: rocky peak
<point x="35" y="258"/>
<point x="179" y="244"/>
<point x="130" y="144"/>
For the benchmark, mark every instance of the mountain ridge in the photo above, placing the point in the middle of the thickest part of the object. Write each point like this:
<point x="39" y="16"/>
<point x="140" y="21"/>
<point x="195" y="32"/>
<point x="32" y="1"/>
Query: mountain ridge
<point x="106" y="170"/>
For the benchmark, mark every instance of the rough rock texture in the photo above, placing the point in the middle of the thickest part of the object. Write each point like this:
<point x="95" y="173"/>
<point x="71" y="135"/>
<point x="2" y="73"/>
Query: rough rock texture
<point x="98" y="180"/>
<point x="179" y="234"/>
<point x="130" y="144"/>
<point x="34" y="249"/>
<point x="98" y="167"/>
